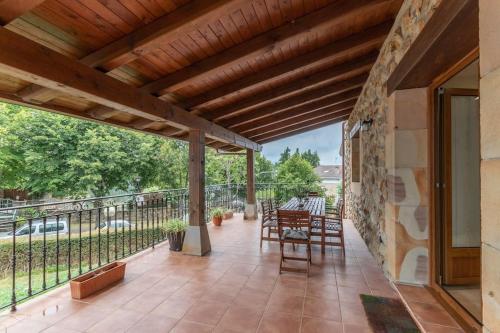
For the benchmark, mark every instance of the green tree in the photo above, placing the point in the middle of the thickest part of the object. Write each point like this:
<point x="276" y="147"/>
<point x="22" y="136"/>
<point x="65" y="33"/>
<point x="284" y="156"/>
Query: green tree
<point x="264" y="169"/>
<point x="297" y="170"/>
<point x="285" y="155"/>
<point x="311" y="157"/>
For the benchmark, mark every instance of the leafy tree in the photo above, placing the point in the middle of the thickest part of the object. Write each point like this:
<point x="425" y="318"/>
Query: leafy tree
<point x="264" y="169"/>
<point x="297" y="170"/>
<point x="285" y="155"/>
<point x="311" y="157"/>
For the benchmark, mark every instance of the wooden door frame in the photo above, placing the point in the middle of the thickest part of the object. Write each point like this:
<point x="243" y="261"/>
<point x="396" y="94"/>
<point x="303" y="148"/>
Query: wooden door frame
<point x="458" y="312"/>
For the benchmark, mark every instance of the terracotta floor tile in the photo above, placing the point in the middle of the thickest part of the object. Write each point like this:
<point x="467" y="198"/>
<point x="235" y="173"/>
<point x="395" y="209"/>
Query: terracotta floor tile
<point x="286" y="304"/>
<point x="206" y="312"/>
<point x="322" y="308"/>
<point x="117" y="321"/>
<point x="432" y="328"/>
<point x="27" y="325"/>
<point x="191" y="327"/>
<point x="145" y="302"/>
<point x="85" y="318"/>
<point x="354" y="328"/>
<point x="316" y="325"/>
<point x="433" y="314"/>
<point x="416" y="294"/>
<point x="241" y="319"/>
<point x="322" y="291"/>
<point x="242" y="269"/>
<point x="56" y="329"/>
<point x="173" y="308"/>
<point x="153" y="323"/>
<point x="251" y="297"/>
<point x="353" y="313"/>
<point x="279" y="323"/>
<point x="351" y="294"/>
<point x="59" y="309"/>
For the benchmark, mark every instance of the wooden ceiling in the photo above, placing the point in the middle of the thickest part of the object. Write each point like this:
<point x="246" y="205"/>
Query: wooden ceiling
<point x="245" y="71"/>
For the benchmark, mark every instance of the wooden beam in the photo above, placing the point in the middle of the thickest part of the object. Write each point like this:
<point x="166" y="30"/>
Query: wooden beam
<point x="299" y="130"/>
<point x="297" y="113"/>
<point x="265" y="115"/>
<point x="142" y="123"/>
<point x="33" y="62"/>
<point x="12" y="9"/>
<point x="14" y="99"/>
<point x="451" y="33"/>
<point x="102" y="112"/>
<point x="339" y="110"/>
<point x="332" y="17"/>
<point x="349" y="47"/>
<point x="146" y="38"/>
<point x="337" y="73"/>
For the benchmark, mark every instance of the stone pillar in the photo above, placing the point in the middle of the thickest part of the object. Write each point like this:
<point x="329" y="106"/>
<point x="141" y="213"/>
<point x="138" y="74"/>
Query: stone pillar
<point x="251" y="203"/>
<point x="489" y="63"/>
<point x="197" y="241"/>
<point x="407" y="205"/>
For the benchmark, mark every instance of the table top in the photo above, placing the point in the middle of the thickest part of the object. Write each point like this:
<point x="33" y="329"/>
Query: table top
<point x="315" y="205"/>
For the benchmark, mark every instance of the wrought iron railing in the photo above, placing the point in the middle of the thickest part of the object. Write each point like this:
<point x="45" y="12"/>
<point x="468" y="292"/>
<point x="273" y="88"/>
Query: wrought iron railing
<point x="45" y="245"/>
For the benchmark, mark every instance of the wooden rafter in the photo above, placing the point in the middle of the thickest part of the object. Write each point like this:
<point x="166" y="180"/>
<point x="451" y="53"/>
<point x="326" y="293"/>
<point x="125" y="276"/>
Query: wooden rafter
<point x="330" y="17"/>
<point x="340" y="101"/>
<point x="300" y="128"/>
<point x="357" y="45"/>
<point x="12" y="9"/>
<point x="262" y="116"/>
<point x="145" y="39"/>
<point x="337" y="73"/>
<point x="56" y="71"/>
<point x="336" y="111"/>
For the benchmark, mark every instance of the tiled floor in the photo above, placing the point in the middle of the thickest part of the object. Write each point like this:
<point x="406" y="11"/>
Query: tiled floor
<point x="235" y="289"/>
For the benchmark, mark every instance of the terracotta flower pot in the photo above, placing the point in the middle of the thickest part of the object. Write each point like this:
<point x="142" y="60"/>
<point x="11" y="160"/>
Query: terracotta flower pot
<point x="217" y="220"/>
<point x="228" y="215"/>
<point x="92" y="282"/>
<point x="176" y="240"/>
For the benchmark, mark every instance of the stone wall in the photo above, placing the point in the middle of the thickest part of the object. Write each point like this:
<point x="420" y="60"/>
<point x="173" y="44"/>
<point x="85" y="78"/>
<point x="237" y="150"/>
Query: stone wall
<point x="366" y="201"/>
<point x="489" y="64"/>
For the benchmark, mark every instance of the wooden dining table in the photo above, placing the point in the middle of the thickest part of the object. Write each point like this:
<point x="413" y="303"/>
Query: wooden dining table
<point x="316" y="208"/>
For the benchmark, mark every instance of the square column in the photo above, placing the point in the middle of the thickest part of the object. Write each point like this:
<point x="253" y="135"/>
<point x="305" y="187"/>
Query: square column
<point x="251" y="203"/>
<point x="197" y="241"/>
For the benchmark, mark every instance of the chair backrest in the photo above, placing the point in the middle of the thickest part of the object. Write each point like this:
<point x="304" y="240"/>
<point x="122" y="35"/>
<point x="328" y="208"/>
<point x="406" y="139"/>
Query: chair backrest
<point x="294" y="219"/>
<point x="266" y="210"/>
<point x="313" y="194"/>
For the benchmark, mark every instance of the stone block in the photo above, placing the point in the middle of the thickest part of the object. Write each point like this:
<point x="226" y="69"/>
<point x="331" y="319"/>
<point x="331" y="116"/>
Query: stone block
<point x="489" y="36"/>
<point x="490" y="284"/>
<point x="490" y="115"/>
<point x="407" y="109"/>
<point x="490" y="202"/>
<point x="407" y="186"/>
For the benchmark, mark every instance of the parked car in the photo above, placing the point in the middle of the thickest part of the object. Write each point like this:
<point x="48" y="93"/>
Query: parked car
<point x="38" y="229"/>
<point x="118" y="224"/>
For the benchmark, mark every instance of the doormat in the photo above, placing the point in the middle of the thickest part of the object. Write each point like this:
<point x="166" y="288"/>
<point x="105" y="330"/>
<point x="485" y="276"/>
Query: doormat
<point x="388" y="315"/>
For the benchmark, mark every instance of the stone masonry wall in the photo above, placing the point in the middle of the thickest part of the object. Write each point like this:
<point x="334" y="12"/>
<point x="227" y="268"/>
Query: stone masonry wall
<point x="366" y="201"/>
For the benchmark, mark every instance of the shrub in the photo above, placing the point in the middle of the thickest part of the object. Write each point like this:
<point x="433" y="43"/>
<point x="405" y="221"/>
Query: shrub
<point x="174" y="226"/>
<point x="217" y="212"/>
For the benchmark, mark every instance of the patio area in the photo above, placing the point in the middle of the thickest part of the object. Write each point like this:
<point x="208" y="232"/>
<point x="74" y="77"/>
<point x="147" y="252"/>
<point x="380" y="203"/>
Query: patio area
<point x="236" y="288"/>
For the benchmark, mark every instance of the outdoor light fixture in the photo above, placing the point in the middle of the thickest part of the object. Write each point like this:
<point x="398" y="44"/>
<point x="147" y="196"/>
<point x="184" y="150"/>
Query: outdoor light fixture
<point x="366" y="124"/>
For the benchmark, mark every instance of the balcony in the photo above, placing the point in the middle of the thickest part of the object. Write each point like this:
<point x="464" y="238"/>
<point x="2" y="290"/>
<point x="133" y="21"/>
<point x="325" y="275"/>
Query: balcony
<point x="237" y="288"/>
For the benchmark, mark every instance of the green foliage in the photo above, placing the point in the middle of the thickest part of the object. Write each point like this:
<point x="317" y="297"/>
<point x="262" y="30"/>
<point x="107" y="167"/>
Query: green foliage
<point x="123" y="240"/>
<point x="297" y="170"/>
<point x="174" y="226"/>
<point x="217" y="212"/>
<point x="285" y="155"/>
<point x="311" y="157"/>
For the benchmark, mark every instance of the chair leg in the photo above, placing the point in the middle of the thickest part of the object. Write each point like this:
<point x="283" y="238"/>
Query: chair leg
<point x="342" y="241"/>
<point x="282" y="256"/>
<point x="261" y="234"/>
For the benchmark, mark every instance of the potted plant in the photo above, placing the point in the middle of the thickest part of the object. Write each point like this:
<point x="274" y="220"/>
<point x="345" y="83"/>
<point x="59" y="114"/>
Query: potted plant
<point x="228" y="214"/>
<point x="176" y="231"/>
<point x="217" y="215"/>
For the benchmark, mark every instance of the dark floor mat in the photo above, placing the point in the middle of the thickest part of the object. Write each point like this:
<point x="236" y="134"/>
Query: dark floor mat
<point x="388" y="315"/>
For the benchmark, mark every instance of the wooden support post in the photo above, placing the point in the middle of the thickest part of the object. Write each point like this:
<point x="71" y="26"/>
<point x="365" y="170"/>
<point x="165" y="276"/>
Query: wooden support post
<point x="251" y="204"/>
<point x="197" y="241"/>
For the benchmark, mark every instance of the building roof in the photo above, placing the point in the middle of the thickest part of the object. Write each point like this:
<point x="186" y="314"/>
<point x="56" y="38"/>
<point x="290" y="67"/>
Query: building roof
<point x="329" y="171"/>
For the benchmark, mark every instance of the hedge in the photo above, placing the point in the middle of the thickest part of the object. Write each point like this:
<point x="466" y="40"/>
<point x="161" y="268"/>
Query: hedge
<point x="144" y="238"/>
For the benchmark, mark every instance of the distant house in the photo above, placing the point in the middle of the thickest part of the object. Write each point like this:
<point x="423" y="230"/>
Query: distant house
<point x="330" y="175"/>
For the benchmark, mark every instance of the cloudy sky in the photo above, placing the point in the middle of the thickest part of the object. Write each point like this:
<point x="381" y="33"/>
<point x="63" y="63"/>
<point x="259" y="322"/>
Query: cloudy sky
<point x="326" y="141"/>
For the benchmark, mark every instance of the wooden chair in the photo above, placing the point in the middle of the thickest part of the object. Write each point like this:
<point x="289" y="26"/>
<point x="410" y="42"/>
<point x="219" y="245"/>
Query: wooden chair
<point x="333" y="227"/>
<point x="294" y="227"/>
<point x="268" y="221"/>
<point x="312" y="194"/>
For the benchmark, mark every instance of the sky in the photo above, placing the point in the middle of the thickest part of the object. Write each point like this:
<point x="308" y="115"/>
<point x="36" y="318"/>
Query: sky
<point x="326" y="141"/>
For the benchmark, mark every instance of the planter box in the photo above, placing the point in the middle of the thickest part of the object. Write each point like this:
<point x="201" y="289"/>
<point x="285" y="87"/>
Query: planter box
<point x="176" y="240"/>
<point x="92" y="282"/>
<point x="227" y="215"/>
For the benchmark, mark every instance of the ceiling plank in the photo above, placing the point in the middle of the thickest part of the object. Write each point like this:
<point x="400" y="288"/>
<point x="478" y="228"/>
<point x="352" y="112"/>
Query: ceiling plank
<point x="145" y="39"/>
<point x="33" y="62"/>
<point x="352" y="46"/>
<point x="337" y="104"/>
<point x="262" y="116"/>
<point x="300" y="128"/>
<point x="339" y="110"/>
<point x="357" y="67"/>
<point x="332" y="16"/>
<point x="12" y="9"/>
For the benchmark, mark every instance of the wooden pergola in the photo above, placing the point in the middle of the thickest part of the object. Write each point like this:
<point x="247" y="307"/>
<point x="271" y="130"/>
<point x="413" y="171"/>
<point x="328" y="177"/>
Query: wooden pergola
<point x="228" y="74"/>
